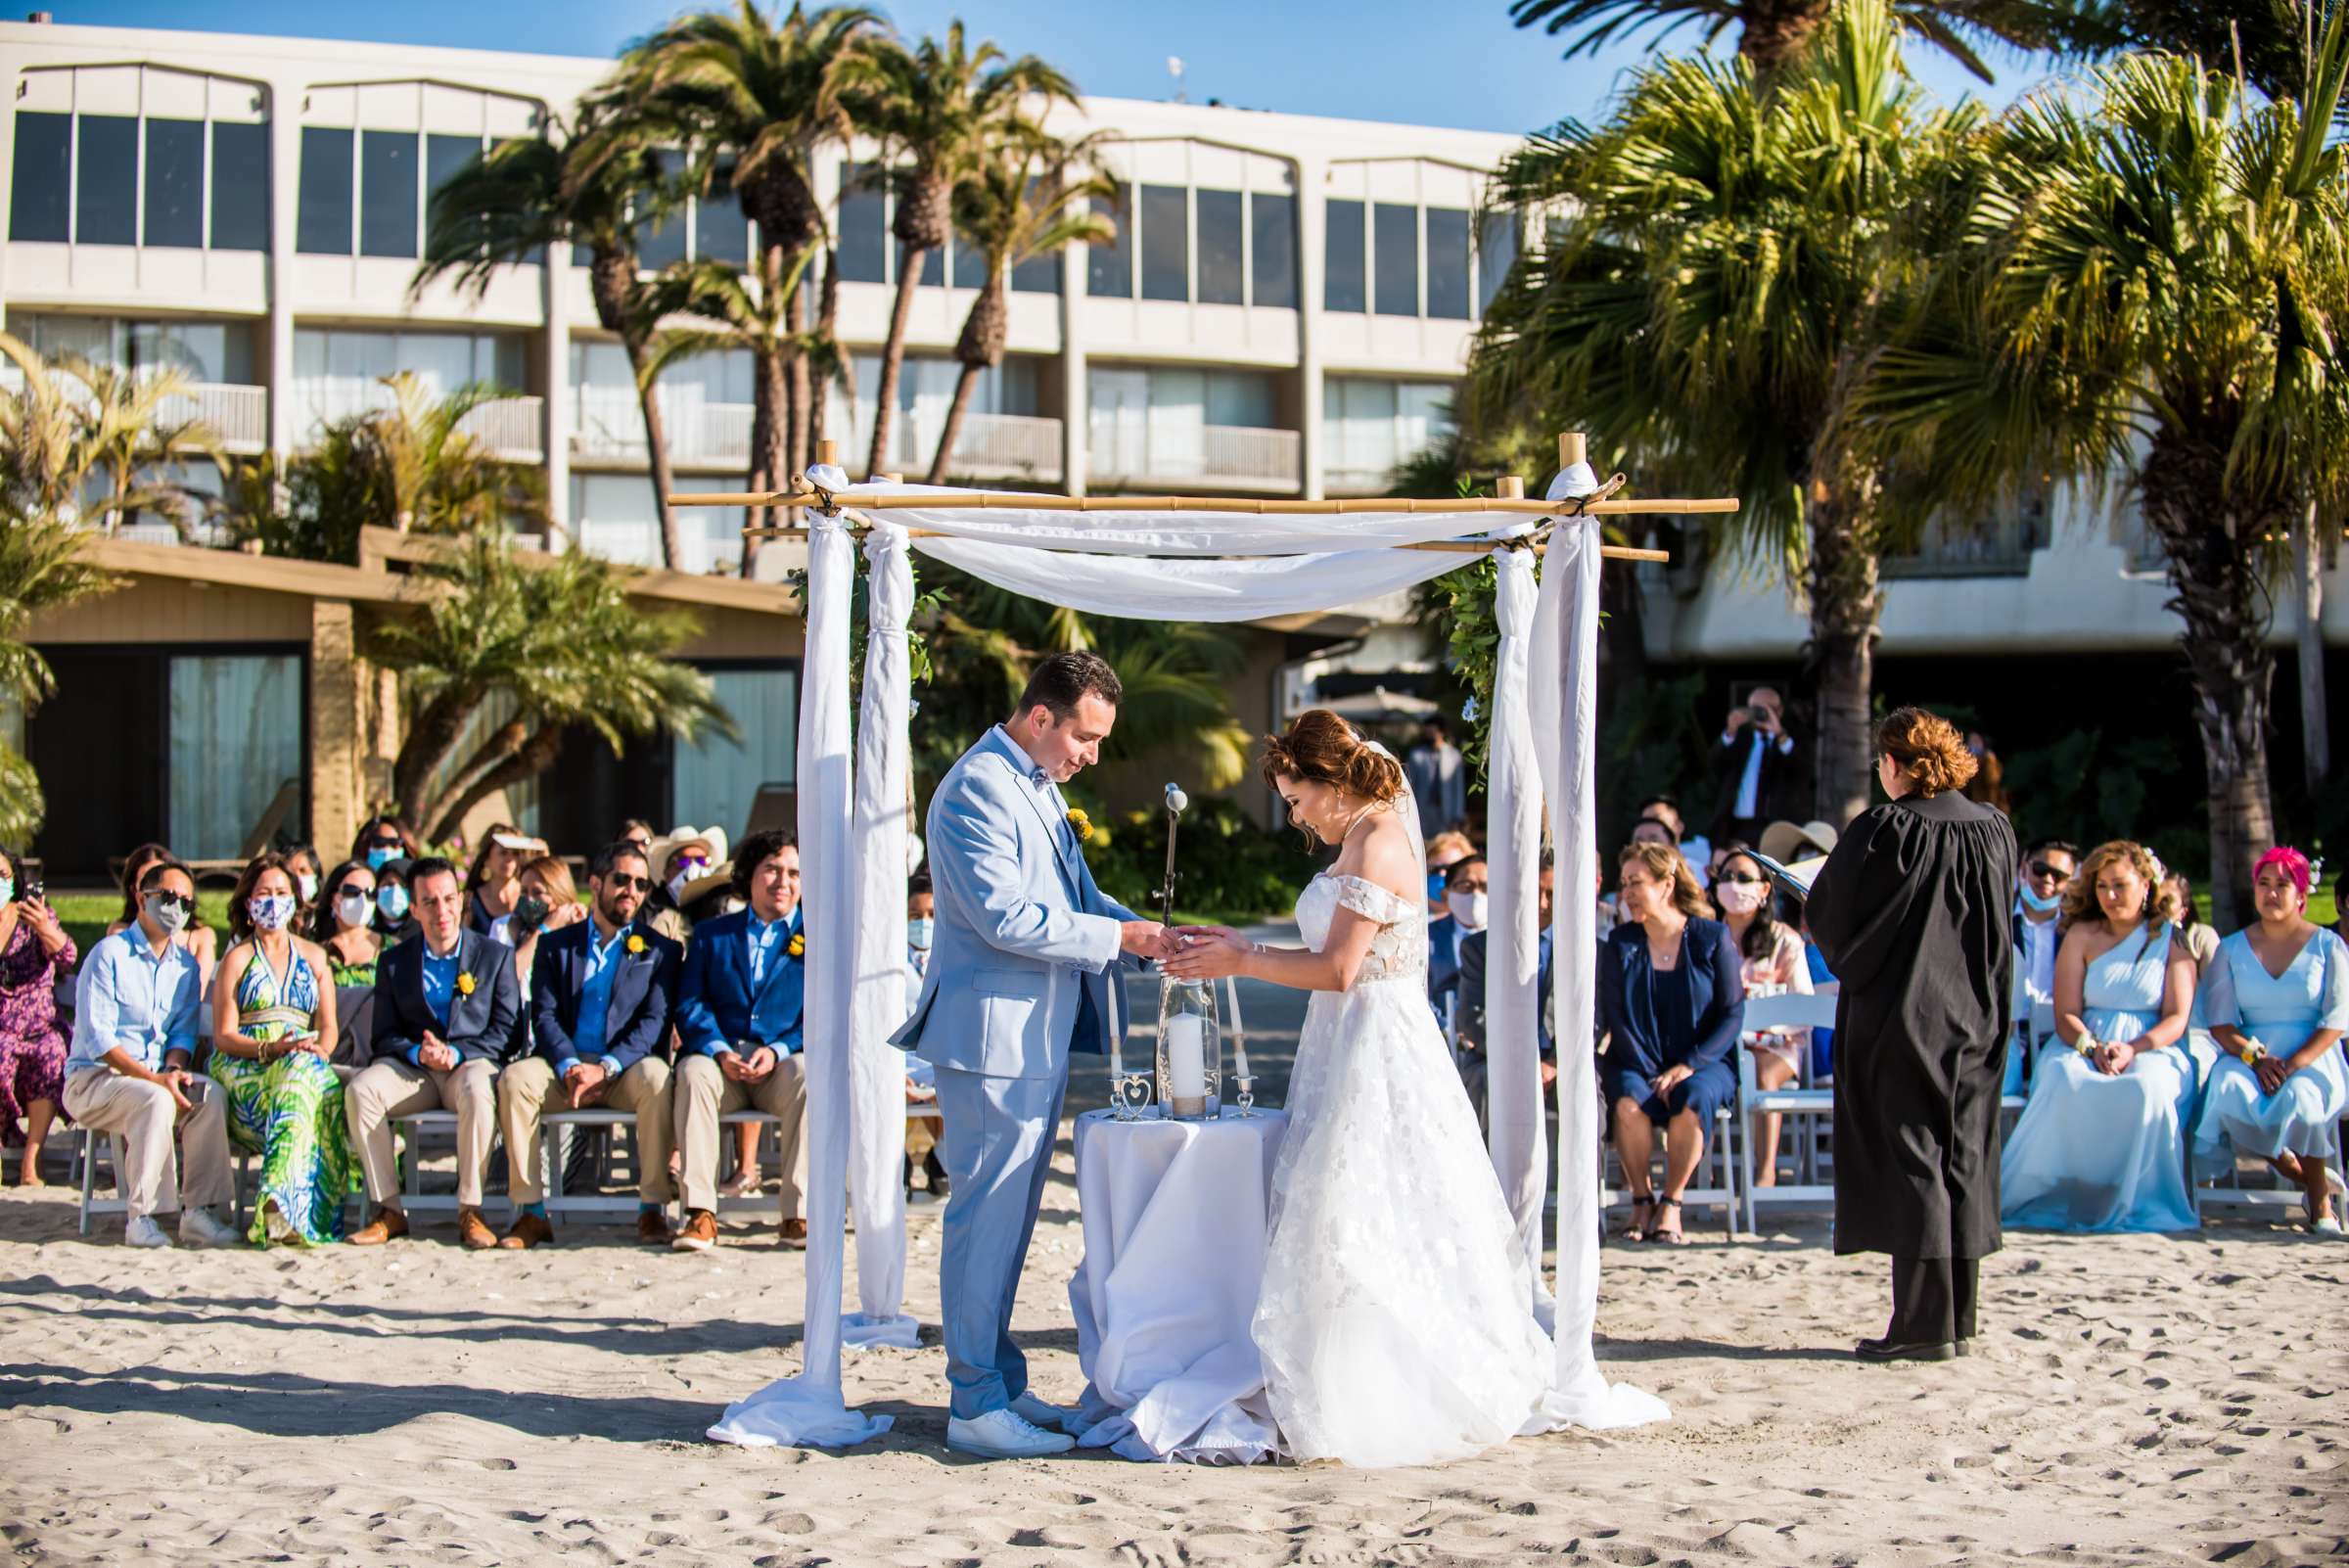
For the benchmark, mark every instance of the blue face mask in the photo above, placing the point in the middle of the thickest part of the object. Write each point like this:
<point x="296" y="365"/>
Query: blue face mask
<point x="380" y="858"/>
<point x="918" y="932"/>
<point x="392" y="902"/>
<point x="2036" y="904"/>
<point x="8" y="888"/>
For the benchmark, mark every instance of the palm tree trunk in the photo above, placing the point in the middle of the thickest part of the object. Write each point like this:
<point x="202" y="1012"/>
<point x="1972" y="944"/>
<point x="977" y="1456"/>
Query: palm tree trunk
<point x="2213" y="547"/>
<point x="533" y="757"/>
<point x="428" y="743"/>
<point x="768" y="452"/>
<point x="964" y="385"/>
<point x="1842" y="654"/>
<point x="893" y="358"/>
<point x="1776" y="32"/>
<point x="656" y="451"/>
<point x="801" y="403"/>
<point x="2316" y="734"/>
<point x="503" y="742"/>
<point x="827" y="337"/>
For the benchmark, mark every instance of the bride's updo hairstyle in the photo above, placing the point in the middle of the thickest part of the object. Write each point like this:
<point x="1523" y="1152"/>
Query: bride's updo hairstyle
<point x="1926" y="749"/>
<point x="1321" y="748"/>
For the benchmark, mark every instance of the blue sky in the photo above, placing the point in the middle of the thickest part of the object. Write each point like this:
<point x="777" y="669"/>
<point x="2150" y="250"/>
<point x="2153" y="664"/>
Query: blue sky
<point x="1432" y="62"/>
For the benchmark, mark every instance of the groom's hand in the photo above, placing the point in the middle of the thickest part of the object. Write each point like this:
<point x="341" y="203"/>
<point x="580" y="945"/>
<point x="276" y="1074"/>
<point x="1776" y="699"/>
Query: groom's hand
<point x="1145" y="939"/>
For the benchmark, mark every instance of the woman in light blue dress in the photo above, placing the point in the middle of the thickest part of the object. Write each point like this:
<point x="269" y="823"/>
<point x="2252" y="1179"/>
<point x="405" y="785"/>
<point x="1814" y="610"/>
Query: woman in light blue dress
<point x="2101" y="1145"/>
<point x="2278" y="1002"/>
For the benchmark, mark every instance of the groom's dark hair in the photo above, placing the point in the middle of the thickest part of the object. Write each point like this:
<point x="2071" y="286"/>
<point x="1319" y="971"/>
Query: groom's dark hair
<point x="1066" y="680"/>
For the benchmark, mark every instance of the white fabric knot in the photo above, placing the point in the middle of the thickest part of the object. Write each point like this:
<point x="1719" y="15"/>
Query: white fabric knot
<point x="1572" y="480"/>
<point x="828" y="476"/>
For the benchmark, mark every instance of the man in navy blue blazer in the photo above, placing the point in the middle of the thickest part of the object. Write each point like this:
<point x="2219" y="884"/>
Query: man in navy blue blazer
<point x="738" y="1029"/>
<point x="602" y="991"/>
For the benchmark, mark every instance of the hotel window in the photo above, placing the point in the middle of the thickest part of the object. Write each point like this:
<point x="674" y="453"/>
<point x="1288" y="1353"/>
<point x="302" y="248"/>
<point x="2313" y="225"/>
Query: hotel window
<point x="1495" y="254"/>
<point x="1222" y="249"/>
<point x="240" y="186"/>
<point x="322" y="222"/>
<point x="40" y="204"/>
<point x="1198" y="243"/>
<point x="366" y="185"/>
<point x="1272" y="250"/>
<point x="869" y="251"/>
<point x="387" y="193"/>
<point x="106" y="179"/>
<point x="90" y="168"/>
<point x="1448" y="264"/>
<point x="174" y="196"/>
<point x="1166" y="243"/>
<point x="1346" y="283"/>
<point x="1395" y="259"/>
<point x="1109" y="269"/>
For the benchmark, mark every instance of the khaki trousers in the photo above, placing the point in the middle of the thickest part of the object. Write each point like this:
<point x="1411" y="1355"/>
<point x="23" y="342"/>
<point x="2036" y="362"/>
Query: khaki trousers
<point x="389" y="1089"/>
<point x="142" y="1117"/>
<point x="704" y="1093"/>
<point x="530" y="1089"/>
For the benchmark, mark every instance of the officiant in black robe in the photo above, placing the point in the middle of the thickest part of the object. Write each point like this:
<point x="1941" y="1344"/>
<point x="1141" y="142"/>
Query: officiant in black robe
<point x="1911" y="911"/>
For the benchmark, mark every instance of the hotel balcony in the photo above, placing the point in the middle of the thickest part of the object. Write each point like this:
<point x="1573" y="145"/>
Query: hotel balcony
<point x="1127" y="452"/>
<point x="510" y="427"/>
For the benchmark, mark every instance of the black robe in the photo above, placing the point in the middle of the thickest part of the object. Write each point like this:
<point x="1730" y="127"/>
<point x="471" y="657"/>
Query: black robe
<point x="1912" y="912"/>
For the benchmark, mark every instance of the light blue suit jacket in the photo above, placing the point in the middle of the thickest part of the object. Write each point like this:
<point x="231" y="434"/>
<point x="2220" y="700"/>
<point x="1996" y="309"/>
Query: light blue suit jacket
<point x="1023" y="932"/>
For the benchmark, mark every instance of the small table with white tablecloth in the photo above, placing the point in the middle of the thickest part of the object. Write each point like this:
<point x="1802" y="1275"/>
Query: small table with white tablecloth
<point x="1176" y="1216"/>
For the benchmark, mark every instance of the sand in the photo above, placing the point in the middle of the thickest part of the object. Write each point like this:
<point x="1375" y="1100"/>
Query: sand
<point x="2133" y="1399"/>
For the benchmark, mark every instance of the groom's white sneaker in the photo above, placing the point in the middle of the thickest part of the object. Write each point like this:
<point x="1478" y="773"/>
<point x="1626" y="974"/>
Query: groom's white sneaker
<point x="1035" y="1413"/>
<point x="1004" y="1435"/>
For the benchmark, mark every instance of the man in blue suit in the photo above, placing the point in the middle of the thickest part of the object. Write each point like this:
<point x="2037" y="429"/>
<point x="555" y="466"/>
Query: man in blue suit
<point x="601" y="990"/>
<point x="738" y="1026"/>
<point x="1024" y="956"/>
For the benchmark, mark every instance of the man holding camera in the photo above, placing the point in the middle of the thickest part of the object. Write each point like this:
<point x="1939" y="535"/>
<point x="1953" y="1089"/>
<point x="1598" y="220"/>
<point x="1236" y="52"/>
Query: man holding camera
<point x="1753" y="764"/>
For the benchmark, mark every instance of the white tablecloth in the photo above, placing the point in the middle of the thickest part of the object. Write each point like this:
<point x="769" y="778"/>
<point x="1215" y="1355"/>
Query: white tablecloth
<point x="1174" y="1220"/>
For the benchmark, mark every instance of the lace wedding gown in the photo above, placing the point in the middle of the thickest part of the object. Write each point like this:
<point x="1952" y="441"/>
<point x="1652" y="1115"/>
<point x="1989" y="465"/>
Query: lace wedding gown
<point x="1394" y="1320"/>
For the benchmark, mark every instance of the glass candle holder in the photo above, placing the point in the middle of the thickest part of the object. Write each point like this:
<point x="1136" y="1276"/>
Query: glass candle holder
<point x="1191" y="1051"/>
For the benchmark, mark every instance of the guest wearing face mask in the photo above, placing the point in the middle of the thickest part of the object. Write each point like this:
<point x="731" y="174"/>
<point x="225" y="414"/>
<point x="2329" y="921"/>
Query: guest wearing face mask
<point x="1465" y="885"/>
<point x="274" y="1029"/>
<point x="921" y="1132"/>
<point x="1470" y="1037"/>
<point x="394" y="904"/>
<point x="198" y="938"/>
<point x="687" y="862"/>
<point x="547" y="901"/>
<point x="344" y="921"/>
<point x="302" y="860"/>
<point x="129" y="1072"/>
<point x="1773" y="963"/>
<point x="384" y="839"/>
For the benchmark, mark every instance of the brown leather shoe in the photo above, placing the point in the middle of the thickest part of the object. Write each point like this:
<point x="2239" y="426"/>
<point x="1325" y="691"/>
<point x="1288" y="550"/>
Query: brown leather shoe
<point x="652" y="1227"/>
<point x="475" y="1231"/>
<point x="698" y="1233"/>
<point x="528" y="1230"/>
<point x="389" y="1225"/>
<point x="795" y="1234"/>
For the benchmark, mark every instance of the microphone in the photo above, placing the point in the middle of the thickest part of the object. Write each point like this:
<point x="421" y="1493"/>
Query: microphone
<point x="1176" y="802"/>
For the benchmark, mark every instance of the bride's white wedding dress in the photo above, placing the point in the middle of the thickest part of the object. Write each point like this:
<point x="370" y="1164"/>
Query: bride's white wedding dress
<point x="1393" y="1321"/>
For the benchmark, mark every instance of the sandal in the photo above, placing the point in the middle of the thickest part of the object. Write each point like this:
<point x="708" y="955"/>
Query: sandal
<point x="1642" y="1216"/>
<point x="1673" y="1238"/>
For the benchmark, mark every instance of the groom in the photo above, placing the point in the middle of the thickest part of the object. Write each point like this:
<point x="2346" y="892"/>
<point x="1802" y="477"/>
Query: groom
<point x="1023" y="957"/>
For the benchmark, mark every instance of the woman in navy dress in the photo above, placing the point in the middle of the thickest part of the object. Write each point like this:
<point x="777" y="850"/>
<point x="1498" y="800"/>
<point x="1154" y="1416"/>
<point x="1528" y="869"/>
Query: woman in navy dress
<point x="1672" y="1001"/>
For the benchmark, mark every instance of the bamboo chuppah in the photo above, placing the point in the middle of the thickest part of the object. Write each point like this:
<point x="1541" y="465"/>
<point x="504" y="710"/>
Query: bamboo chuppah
<point x="1185" y="562"/>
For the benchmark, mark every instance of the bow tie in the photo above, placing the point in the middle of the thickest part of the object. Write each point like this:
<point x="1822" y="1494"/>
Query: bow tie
<point x="1040" y="778"/>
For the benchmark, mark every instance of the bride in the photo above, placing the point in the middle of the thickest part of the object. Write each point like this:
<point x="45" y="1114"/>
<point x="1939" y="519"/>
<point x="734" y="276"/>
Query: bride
<point x="1395" y="1321"/>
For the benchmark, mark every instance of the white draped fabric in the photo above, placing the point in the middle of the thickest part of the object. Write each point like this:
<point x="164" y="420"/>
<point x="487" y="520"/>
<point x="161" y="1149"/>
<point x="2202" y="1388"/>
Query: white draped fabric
<point x="877" y="1069"/>
<point x="1517" y="1138"/>
<point x="807" y="1410"/>
<point x="1117" y="563"/>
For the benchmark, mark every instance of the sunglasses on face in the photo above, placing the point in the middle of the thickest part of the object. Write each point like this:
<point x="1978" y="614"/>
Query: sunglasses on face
<point x="171" y="901"/>
<point x="2041" y="868"/>
<point x="1744" y="879"/>
<point x="625" y="882"/>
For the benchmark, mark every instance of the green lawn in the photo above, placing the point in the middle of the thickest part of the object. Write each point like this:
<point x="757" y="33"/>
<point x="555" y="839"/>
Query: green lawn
<point x="88" y="914"/>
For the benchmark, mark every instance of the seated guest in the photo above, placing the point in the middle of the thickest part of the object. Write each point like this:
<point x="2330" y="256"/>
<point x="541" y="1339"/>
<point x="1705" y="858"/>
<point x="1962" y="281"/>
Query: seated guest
<point x="193" y="935"/>
<point x="601" y="990"/>
<point x="738" y="1026"/>
<point x="134" y="1036"/>
<point x="2278" y="1003"/>
<point x="34" y="950"/>
<point x="681" y="860"/>
<point x="382" y="839"/>
<point x="274" y="1029"/>
<point x="1468" y="884"/>
<point x="2201" y="939"/>
<point x="344" y="923"/>
<point x="494" y="882"/>
<point x="1695" y="848"/>
<point x="921" y="1139"/>
<point x="2101" y="1144"/>
<point x="302" y="860"/>
<point x="1672" y="1001"/>
<point x="1773" y="963"/>
<point x="444" y="1011"/>
<point x="637" y="831"/>
<point x="2048" y="866"/>
<point x="1469" y="1034"/>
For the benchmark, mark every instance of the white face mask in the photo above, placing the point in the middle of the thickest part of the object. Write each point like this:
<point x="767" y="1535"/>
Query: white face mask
<point x="1740" y="898"/>
<point x="307" y="886"/>
<point x="270" y="911"/>
<point x="1469" y="909"/>
<point x="352" y="909"/>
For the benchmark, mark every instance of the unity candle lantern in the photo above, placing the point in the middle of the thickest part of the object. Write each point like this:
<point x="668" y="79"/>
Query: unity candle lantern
<point x="1191" y="1051"/>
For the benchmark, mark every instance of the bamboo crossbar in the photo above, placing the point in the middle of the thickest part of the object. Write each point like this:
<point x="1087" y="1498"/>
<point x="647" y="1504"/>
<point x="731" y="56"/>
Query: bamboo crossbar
<point x="995" y="501"/>
<point x="1607" y="552"/>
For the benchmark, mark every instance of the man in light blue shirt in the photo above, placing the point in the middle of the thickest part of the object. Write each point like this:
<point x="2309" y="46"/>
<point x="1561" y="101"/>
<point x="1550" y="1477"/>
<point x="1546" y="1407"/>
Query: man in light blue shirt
<point x="129" y="1073"/>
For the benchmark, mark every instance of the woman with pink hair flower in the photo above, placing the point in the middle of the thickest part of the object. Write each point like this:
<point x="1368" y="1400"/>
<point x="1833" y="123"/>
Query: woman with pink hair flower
<point x="2277" y="1002"/>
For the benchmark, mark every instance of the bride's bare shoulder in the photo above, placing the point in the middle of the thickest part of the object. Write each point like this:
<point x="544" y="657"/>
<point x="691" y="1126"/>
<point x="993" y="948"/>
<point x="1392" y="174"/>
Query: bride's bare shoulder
<point x="1389" y="859"/>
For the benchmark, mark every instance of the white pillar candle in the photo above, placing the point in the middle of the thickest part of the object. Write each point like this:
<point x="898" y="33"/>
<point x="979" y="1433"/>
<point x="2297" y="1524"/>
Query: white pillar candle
<point x="1239" y="1056"/>
<point x="1186" y="1063"/>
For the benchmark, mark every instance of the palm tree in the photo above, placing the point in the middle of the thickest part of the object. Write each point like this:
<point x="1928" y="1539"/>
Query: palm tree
<point x="413" y="466"/>
<point x="1706" y="301"/>
<point x="1773" y="33"/>
<point x="939" y="107"/>
<point x="43" y="568"/>
<point x="521" y="196"/>
<point x="2155" y="283"/>
<point x="82" y="442"/>
<point x="760" y="92"/>
<point x="559" y="639"/>
<point x="1031" y="197"/>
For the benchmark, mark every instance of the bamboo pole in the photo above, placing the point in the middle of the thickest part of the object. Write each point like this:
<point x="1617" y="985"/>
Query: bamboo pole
<point x="1611" y="552"/>
<point x="994" y="501"/>
<point x="1509" y="487"/>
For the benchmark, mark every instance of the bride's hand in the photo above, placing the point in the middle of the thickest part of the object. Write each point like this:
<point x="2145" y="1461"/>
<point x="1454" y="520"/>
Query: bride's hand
<point x="1209" y="953"/>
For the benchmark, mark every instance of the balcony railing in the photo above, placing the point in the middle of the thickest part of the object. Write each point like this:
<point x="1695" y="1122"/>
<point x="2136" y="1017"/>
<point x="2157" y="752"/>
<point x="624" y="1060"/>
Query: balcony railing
<point x="1021" y="447"/>
<point x="510" y="427"/>
<point x="1230" y="457"/>
<point x="239" y="415"/>
<point x="607" y="426"/>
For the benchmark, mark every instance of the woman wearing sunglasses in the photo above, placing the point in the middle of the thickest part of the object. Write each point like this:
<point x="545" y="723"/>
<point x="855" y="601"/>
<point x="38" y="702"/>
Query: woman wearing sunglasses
<point x="1773" y="963"/>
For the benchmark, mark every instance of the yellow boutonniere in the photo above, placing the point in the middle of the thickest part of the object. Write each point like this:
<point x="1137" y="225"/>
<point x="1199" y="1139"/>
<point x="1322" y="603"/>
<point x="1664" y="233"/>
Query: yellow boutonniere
<point x="636" y="945"/>
<point x="799" y="945"/>
<point x="1081" y="824"/>
<point x="465" y="983"/>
